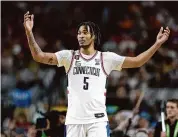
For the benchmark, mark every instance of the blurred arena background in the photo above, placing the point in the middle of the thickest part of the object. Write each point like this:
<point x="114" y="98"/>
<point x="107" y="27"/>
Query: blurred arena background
<point x="128" y="28"/>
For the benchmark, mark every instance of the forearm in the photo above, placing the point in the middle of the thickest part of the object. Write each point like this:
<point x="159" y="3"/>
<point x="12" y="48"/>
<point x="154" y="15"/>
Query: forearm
<point x="145" y="56"/>
<point x="38" y="55"/>
<point x="34" y="48"/>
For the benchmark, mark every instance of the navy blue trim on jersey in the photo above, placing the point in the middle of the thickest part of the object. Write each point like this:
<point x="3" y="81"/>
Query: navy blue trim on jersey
<point x="102" y="65"/>
<point x="89" y="58"/>
<point x="71" y="62"/>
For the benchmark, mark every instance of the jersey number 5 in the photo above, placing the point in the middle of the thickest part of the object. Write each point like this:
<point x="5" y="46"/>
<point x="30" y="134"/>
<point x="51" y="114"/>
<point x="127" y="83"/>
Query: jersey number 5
<point x="85" y="86"/>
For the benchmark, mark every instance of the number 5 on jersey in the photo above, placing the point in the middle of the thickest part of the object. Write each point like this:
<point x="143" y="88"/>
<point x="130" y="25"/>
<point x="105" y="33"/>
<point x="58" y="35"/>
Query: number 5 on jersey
<point x="86" y="84"/>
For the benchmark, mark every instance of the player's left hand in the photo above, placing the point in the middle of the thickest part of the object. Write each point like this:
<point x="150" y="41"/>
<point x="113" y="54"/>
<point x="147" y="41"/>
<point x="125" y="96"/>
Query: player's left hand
<point x="162" y="36"/>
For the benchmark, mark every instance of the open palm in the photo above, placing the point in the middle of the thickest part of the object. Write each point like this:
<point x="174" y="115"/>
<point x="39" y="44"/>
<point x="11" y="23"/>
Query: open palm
<point x="28" y="21"/>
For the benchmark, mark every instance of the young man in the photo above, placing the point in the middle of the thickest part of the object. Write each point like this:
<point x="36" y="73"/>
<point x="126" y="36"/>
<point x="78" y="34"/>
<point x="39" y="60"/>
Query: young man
<point x="87" y="71"/>
<point x="171" y="122"/>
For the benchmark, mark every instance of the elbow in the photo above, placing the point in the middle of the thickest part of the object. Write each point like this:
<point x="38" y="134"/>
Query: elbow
<point x="133" y="62"/>
<point x="139" y="64"/>
<point x="37" y="58"/>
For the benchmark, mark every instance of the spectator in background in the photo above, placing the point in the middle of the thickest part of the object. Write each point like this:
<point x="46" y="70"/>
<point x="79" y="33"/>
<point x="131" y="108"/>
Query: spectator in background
<point x="127" y="44"/>
<point x="15" y="127"/>
<point x="173" y="75"/>
<point x="137" y="127"/>
<point x="3" y="135"/>
<point x="54" y="126"/>
<point x="21" y="122"/>
<point x="9" y="127"/>
<point x="110" y="45"/>
<point x="31" y="131"/>
<point x="21" y="99"/>
<point x="141" y="129"/>
<point x="171" y="121"/>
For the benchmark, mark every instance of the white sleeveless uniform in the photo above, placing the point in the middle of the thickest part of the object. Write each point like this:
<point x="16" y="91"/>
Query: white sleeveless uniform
<point x="86" y="92"/>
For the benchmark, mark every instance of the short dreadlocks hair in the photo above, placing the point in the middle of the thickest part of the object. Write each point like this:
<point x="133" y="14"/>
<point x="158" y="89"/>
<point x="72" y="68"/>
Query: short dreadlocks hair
<point x="94" y="31"/>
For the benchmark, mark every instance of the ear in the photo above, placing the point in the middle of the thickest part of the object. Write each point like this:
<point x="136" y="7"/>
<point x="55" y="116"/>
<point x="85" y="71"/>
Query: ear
<point x="94" y="37"/>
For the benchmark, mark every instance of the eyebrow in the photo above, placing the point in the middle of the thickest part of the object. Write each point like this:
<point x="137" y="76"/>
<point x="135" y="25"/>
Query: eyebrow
<point x="84" y="30"/>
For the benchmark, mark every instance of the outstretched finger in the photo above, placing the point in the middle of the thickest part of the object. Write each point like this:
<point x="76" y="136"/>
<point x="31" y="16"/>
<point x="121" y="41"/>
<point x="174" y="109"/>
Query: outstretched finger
<point x="161" y="30"/>
<point x="26" y="13"/>
<point x="32" y="17"/>
<point x="168" y="29"/>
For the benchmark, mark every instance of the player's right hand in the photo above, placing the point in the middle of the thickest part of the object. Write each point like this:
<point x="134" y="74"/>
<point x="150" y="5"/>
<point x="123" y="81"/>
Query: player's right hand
<point x="28" y="22"/>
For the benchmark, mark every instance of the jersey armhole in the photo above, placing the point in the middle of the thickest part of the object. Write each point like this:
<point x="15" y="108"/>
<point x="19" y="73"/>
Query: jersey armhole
<point x="73" y="53"/>
<point x="102" y="65"/>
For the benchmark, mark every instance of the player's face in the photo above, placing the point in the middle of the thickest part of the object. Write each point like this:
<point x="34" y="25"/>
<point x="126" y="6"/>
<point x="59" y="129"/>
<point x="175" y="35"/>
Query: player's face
<point x="84" y="36"/>
<point x="171" y="109"/>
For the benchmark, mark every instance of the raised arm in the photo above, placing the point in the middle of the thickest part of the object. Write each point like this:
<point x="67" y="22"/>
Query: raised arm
<point x="37" y="53"/>
<point x="141" y="59"/>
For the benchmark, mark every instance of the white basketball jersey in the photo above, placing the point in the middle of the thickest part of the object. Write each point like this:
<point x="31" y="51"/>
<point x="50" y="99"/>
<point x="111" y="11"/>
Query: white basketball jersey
<point x="86" y="90"/>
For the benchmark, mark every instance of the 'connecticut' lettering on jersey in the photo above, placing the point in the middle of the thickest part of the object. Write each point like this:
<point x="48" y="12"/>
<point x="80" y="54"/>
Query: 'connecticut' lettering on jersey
<point x="86" y="70"/>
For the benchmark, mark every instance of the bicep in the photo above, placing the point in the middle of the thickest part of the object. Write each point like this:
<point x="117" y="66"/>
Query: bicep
<point x="48" y="58"/>
<point x="130" y="62"/>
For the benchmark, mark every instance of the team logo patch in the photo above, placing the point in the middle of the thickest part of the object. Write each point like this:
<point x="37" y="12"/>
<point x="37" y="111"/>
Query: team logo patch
<point x="78" y="63"/>
<point x="97" y="61"/>
<point x="99" y="115"/>
<point x="77" y="57"/>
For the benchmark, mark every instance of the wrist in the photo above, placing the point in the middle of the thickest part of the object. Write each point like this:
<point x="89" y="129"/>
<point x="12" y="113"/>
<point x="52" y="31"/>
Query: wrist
<point x="28" y="32"/>
<point x="158" y="43"/>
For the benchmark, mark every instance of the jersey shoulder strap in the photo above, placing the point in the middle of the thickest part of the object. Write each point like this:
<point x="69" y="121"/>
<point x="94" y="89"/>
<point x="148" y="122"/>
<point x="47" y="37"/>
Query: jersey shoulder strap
<point x="102" y="64"/>
<point x="73" y="55"/>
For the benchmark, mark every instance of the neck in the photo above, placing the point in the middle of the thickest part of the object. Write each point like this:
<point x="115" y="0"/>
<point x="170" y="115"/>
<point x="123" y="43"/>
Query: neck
<point x="88" y="51"/>
<point x="172" y="120"/>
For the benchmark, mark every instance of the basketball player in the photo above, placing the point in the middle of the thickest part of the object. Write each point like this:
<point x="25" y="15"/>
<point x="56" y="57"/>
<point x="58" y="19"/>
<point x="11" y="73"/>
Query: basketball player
<point x="87" y="70"/>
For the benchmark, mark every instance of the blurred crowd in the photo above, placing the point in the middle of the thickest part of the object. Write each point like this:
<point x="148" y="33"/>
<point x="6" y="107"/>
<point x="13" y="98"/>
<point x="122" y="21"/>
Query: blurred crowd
<point x="128" y="28"/>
